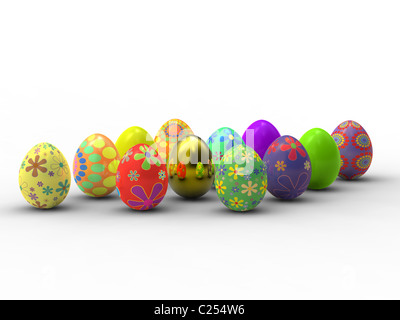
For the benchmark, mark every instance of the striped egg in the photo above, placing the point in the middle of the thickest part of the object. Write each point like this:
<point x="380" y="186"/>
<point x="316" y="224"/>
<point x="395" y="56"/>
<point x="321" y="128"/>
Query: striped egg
<point x="95" y="166"/>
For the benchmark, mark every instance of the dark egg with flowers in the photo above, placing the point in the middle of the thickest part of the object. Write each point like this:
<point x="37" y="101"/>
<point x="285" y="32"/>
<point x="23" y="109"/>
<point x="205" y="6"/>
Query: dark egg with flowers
<point x="288" y="168"/>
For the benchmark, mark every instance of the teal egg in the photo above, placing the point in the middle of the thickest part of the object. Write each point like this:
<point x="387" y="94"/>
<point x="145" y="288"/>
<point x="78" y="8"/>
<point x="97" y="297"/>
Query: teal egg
<point x="221" y="141"/>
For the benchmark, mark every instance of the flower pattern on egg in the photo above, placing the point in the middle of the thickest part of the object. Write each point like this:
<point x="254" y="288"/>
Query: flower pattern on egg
<point x="37" y="181"/>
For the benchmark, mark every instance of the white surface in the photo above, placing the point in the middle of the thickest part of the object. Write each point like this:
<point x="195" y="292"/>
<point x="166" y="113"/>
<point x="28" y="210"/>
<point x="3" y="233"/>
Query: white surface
<point x="68" y="70"/>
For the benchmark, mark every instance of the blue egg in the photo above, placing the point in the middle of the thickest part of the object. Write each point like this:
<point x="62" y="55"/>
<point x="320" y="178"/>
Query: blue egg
<point x="221" y="141"/>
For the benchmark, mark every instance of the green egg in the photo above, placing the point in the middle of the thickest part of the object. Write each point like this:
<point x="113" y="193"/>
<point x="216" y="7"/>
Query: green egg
<point x="324" y="155"/>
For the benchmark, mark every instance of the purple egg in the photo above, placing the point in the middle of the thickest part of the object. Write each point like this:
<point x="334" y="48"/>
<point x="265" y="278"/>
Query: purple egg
<point x="288" y="168"/>
<point x="355" y="149"/>
<point x="259" y="136"/>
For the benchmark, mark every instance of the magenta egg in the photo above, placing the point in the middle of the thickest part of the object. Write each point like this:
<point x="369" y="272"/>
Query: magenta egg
<point x="259" y="136"/>
<point x="355" y="149"/>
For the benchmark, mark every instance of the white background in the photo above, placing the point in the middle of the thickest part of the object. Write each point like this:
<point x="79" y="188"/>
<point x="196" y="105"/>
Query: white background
<point x="70" y="69"/>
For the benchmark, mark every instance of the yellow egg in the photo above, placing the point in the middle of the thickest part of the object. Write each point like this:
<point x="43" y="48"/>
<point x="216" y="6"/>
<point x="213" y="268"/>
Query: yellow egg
<point x="131" y="137"/>
<point x="44" y="176"/>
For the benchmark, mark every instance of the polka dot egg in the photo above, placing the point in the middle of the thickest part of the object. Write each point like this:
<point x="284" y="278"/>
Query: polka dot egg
<point x="95" y="166"/>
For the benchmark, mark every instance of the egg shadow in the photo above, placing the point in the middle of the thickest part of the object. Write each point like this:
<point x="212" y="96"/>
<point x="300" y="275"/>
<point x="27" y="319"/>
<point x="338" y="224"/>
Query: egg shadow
<point x="365" y="179"/>
<point x="222" y="210"/>
<point x="203" y="199"/>
<point x="159" y="210"/>
<point x="302" y="199"/>
<point x="329" y="189"/>
<point x="31" y="210"/>
<point x="85" y="198"/>
<point x="273" y="205"/>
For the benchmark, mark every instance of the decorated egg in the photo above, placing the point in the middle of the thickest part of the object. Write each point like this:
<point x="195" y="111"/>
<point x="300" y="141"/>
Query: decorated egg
<point x="142" y="178"/>
<point x="355" y="149"/>
<point x="259" y="136"/>
<point x="221" y="141"/>
<point x="324" y="155"/>
<point x="44" y="176"/>
<point x="95" y="166"/>
<point x="169" y="134"/>
<point x="288" y="168"/>
<point x="131" y="137"/>
<point x="241" y="179"/>
<point x="191" y="171"/>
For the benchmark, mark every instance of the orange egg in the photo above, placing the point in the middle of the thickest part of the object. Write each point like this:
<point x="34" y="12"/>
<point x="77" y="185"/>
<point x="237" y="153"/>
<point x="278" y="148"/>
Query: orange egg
<point x="95" y="166"/>
<point x="169" y="134"/>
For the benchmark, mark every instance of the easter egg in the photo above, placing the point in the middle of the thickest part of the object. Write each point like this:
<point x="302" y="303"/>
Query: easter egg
<point x="259" y="136"/>
<point x="324" y="155"/>
<point x="44" y="176"/>
<point x="288" y="168"/>
<point x="241" y="181"/>
<point x="221" y="141"/>
<point x="131" y="137"/>
<point x="142" y="179"/>
<point x="169" y="134"/>
<point x="355" y="149"/>
<point x="95" y="166"/>
<point x="190" y="167"/>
